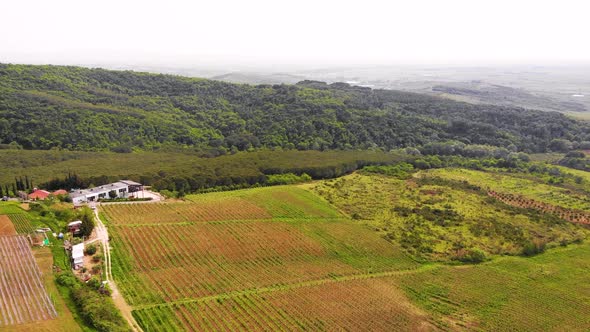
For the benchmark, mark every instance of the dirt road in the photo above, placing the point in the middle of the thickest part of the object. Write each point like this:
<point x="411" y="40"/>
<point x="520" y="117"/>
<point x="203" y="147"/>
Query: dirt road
<point x="102" y="235"/>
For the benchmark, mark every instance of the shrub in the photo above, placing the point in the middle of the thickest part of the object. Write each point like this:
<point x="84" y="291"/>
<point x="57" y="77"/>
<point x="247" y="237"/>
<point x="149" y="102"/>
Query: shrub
<point x="532" y="248"/>
<point x="473" y="255"/>
<point x="96" y="269"/>
<point x="90" y="250"/>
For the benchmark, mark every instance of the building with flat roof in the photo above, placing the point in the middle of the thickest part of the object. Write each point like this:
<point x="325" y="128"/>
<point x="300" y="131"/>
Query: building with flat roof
<point x="119" y="189"/>
<point x="78" y="255"/>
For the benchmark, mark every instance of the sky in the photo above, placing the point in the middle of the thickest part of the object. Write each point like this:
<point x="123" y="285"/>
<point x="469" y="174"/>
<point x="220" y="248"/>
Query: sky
<point x="301" y="32"/>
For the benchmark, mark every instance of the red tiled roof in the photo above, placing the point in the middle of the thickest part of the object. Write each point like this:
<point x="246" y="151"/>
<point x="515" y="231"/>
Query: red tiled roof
<point x="39" y="194"/>
<point x="60" y="192"/>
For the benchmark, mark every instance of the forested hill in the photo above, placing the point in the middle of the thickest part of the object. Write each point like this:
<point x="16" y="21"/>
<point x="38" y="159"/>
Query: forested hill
<point x="42" y="107"/>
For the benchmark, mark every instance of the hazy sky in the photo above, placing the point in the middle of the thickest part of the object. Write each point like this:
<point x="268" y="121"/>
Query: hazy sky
<point x="317" y="32"/>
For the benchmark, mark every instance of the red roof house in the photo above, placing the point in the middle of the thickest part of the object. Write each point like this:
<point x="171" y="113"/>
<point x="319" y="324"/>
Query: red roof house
<point x="39" y="194"/>
<point x="60" y="192"/>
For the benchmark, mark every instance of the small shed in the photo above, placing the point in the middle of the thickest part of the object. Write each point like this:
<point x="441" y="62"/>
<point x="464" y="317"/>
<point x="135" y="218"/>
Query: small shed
<point x="75" y="227"/>
<point x="78" y="256"/>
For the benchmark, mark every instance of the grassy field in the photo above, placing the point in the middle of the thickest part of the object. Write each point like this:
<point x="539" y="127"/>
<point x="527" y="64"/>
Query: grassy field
<point x="436" y="216"/>
<point x="542" y="293"/>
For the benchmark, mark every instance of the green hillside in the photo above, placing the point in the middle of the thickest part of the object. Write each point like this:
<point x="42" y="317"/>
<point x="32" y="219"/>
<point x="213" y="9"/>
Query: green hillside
<point x="44" y="107"/>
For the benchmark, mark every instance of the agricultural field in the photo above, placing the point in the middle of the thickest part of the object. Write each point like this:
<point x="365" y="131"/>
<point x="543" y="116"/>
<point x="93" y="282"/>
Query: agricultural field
<point x="22" y="223"/>
<point x="24" y="298"/>
<point x="10" y="208"/>
<point x="298" y="265"/>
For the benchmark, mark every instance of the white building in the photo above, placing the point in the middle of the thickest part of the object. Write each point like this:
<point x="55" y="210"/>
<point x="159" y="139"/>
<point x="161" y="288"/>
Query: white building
<point x="122" y="189"/>
<point x="78" y="255"/>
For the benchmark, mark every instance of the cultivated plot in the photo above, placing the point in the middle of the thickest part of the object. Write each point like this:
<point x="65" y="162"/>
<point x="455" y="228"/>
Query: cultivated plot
<point x="297" y="264"/>
<point x="23" y="297"/>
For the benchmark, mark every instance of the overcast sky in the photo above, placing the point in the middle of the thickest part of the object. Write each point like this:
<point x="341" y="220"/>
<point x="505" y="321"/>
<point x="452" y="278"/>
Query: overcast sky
<point x="307" y="32"/>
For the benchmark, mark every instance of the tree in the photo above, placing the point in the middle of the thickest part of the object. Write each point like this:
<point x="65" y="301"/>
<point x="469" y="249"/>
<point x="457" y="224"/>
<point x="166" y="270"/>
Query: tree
<point x="560" y="145"/>
<point x="112" y="194"/>
<point x="87" y="218"/>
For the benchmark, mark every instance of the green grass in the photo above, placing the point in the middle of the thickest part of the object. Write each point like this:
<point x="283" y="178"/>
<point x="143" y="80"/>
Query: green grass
<point x="10" y="208"/>
<point x="543" y="293"/>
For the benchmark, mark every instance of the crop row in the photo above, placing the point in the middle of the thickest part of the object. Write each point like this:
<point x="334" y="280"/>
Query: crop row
<point x="230" y="209"/>
<point x="22" y="223"/>
<point x="371" y="304"/>
<point x="571" y="215"/>
<point x="22" y="295"/>
<point x="185" y="261"/>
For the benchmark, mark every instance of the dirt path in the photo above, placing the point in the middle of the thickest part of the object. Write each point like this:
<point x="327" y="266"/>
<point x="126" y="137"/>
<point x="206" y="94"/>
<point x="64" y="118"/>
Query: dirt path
<point x="102" y="235"/>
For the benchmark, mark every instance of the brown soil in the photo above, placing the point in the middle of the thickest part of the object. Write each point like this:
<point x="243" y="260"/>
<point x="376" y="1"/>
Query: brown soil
<point x="6" y="226"/>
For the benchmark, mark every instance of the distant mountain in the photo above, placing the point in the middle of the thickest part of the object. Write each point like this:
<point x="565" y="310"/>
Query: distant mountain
<point x="485" y="93"/>
<point x="44" y="107"/>
<point x="258" y="78"/>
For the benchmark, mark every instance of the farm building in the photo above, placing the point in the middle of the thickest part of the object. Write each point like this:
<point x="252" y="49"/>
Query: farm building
<point x="39" y="194"/>
<point x="120" y="189"/>
<point x="60" y="192"/>
<point x="74" y="227"/>
<point x="78" y="255"/>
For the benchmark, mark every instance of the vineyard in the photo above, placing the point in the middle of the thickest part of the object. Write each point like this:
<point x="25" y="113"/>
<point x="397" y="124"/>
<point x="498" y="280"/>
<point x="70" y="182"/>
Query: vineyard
<point x="282" y="258"/>
<point x="22" y="223"/>
<point x="575" y="216"/>
<point x="251" y="204"/>
<point x="266" y="259"/>
<point x="23" y="297"/>
<point x="369" y="304"/>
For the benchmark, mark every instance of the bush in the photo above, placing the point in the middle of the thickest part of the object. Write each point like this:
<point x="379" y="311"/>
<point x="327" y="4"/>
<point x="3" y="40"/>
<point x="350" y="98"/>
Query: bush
<point x="67" y="279"/>
<point x="96" y="269"/>
<point x="287" y="178"/>
<point x="473" y="255"/>
<point x="532" y="248"/>
<point x="90" y="250"/>
<point x="575" y="154"/>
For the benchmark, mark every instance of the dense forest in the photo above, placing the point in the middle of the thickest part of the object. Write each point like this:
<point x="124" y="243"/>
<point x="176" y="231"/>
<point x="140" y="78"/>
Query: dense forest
<point x="45" y="107"/>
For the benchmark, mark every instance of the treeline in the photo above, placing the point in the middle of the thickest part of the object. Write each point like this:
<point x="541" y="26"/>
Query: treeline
<point x="576" y="160"/>
<point x="53" y="107"/>
<point x="181" y="184"/>
<point x="186" y="172"/>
